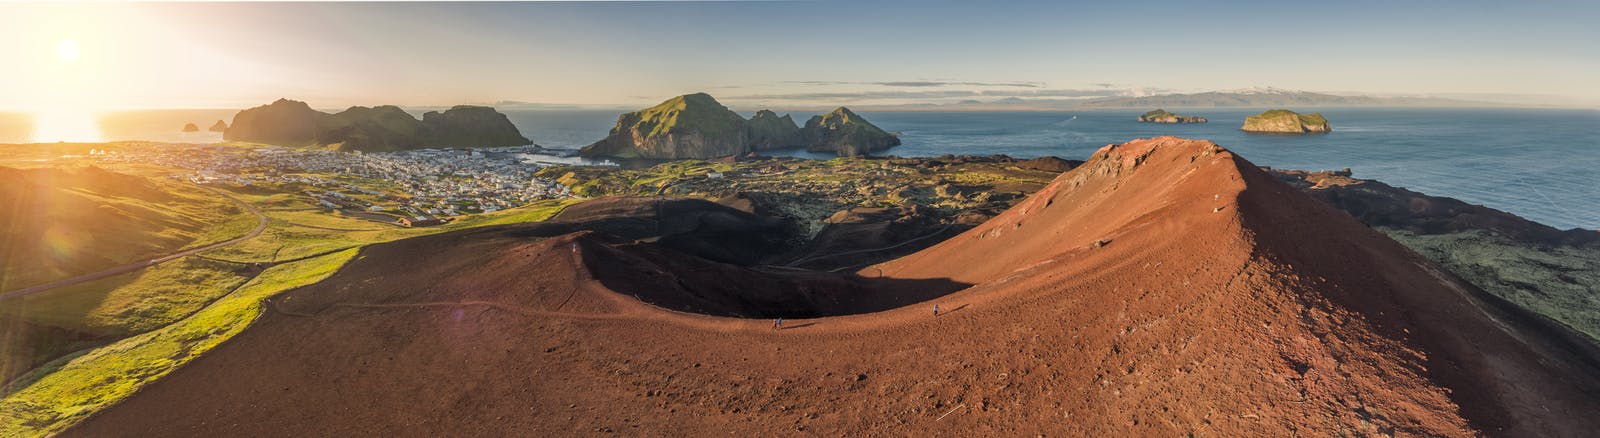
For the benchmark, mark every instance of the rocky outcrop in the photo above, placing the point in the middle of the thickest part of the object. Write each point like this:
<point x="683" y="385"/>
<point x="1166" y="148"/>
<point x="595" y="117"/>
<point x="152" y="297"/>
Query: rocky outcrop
<point x="190" y="127"/>
<point x="688" y="126"/>
<point x="372" y="129"/>
<point x="1162" y="116"/>
<point x="220" y="126"/>
<point x="1531" y="265"/>
<point x="1049" y="164"/>
<point x="471" y="126"/>
<point x="283" y="122"/>
<point x="846" y="134"/>
<point x="1381" y="205"/>
<point x="696" y="126"/>
<point x="768" y="131"/>
<point x="1286" y="122"/>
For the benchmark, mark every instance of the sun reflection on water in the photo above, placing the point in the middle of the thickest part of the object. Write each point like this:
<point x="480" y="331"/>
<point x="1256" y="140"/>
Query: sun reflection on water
<point x="67" y="125"/>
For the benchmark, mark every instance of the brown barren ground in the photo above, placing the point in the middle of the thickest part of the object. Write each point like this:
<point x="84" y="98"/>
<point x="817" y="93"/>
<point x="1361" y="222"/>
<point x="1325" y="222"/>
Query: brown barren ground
<point x="1166" y="287"/>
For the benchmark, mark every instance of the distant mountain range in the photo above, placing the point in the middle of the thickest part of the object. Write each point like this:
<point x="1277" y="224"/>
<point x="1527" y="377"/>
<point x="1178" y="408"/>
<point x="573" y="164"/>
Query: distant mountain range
<point x="1265" y="97"/>
<point x="1260" y="97"/>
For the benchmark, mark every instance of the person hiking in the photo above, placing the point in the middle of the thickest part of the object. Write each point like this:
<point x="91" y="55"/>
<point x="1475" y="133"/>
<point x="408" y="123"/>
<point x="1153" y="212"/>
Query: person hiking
<point x="935" y="310"/>
<point x="777" y="324"/>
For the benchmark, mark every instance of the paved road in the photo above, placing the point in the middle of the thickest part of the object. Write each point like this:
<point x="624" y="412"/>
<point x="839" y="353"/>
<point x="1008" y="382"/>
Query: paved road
<point x="261" y="224"/>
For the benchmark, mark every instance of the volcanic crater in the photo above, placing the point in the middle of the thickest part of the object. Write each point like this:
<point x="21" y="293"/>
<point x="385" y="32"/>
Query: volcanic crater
<point x="1166" y="286"/>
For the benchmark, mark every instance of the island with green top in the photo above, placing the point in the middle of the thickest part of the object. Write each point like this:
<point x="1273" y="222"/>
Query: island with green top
<point x="1162" y="116"/>
<point x="1286" y="122"/>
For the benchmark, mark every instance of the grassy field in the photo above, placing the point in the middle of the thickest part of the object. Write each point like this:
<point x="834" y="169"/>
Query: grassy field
<point x="52" y="397"/>
<point x="63" y="222"/>
<point x="1554" y="281"/>
<point x="78" y="348"/>
<point x="188" y="313"/>
<point x="133" y="302"/>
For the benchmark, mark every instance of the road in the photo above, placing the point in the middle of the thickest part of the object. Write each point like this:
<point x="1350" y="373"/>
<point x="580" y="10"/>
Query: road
<point x="261" y="225"/>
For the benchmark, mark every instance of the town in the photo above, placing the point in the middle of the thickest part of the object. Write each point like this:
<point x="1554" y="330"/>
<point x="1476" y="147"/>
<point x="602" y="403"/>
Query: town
<point x="409" y="188"/>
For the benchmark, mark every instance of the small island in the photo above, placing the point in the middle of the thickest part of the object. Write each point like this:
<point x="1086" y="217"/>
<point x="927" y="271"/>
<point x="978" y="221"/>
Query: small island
<point x="220" y="126"/>
<point x="190" y="127"/>
<point x="1162" y="116"/>
<point x="1283" y="121"/>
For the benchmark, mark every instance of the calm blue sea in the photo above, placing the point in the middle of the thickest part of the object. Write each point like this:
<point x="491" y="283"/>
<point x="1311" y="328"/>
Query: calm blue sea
<point x="1541" y="164"/>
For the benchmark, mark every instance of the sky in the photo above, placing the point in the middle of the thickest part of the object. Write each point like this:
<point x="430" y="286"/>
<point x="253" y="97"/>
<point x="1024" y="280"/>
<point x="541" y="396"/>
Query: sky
<point x="782" y="53"/>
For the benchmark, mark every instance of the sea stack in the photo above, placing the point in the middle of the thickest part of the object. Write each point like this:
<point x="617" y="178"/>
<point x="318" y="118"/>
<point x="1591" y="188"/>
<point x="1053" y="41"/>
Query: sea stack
<point x="1286" y="122"/>
<point x="1162" y="116"/>
<point x="190" y="127"/>
<point x="220" y="126"/>
<point x="846" y="134"/>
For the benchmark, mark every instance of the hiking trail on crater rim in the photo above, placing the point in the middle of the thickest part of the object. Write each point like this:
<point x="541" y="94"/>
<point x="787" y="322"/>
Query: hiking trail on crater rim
<point x="1166" y="286"/>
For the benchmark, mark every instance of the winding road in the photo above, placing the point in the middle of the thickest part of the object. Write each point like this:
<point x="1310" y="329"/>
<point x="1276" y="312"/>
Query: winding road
<point x="261" y="225"/>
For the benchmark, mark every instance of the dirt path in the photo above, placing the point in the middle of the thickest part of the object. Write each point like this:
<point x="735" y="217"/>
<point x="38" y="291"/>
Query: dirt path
<point x="261" y="225"/>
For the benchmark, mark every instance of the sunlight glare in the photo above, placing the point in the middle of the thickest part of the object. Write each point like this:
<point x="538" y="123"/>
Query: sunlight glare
<point x="67" y="50"/>
<point x="63" y="124"/>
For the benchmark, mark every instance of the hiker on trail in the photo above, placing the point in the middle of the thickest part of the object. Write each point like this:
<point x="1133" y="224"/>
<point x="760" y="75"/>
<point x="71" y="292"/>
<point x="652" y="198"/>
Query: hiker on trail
<point x="777" y="324"/>
<point x="935" y="310"/>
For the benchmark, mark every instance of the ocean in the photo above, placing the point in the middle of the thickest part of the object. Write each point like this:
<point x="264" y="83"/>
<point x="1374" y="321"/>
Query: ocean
<point x="1540" y="164"/>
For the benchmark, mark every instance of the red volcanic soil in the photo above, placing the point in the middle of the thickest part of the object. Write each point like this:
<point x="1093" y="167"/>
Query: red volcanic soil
<point x="1165" y="287"/>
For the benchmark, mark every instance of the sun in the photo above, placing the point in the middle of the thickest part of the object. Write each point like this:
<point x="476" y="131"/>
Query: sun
<point x="67" y="50"/>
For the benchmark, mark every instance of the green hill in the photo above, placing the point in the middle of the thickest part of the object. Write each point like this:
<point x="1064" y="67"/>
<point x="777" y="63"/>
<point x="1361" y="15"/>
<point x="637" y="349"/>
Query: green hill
<point x="768" y="131"/>
<point x="687" y="126"/>
<point x="846" y="134"/>
<point x="59" y="223"/>
<point x="373" y="129"/>
<point x="696" y="126"/>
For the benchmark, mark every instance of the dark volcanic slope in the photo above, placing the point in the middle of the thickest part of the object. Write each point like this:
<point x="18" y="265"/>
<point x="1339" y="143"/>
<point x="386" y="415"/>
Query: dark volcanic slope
<point x="1166" y="287"/>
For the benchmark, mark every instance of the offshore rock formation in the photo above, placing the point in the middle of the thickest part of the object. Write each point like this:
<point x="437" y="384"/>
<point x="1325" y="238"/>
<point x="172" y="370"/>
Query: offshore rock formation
<point x="768" y="131"/>
<point x="696" y="126"/>
<point x="1162" y="116"/>
<point x="1286" y="122"/>
<point x="220" y="126"/>
<point x="846" y="134"/>
<point x="372" y="129"/>
<point x="190" y="127"/>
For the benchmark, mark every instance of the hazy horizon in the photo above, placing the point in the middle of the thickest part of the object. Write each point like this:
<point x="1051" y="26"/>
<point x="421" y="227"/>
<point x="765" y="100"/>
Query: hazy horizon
<point x="781" y="54"/>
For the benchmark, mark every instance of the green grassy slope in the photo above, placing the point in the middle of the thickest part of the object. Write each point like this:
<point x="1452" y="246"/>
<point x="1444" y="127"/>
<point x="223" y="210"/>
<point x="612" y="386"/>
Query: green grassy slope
<point x="159" y="318"/>
<point x="57" y="223"/>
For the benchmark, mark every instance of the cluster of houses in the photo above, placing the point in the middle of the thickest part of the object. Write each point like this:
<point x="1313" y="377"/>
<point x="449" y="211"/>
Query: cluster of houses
<point x="420" y="186"/>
